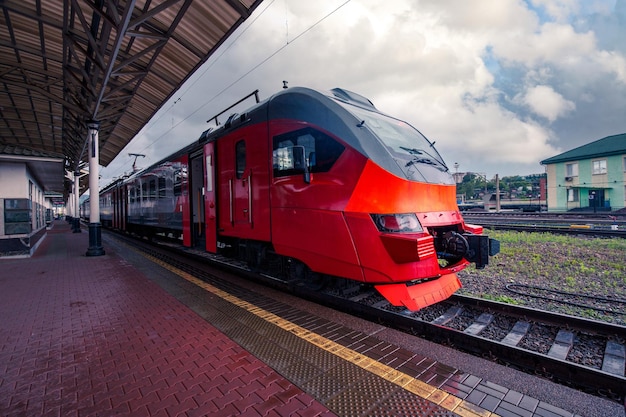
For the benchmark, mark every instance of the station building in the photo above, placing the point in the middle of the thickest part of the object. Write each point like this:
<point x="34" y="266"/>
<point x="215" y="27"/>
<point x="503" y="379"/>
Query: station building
<point x="27" y="198"/>
<point x="591" y="177"/>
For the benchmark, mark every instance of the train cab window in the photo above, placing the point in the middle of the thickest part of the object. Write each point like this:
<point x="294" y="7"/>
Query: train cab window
<point x="162" y="187"/>
<point x="240" y="158"/>
<point x="320" y="150"/>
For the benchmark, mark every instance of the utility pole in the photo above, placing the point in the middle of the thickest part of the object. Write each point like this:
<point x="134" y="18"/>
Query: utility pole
<point x="497" y="193"/>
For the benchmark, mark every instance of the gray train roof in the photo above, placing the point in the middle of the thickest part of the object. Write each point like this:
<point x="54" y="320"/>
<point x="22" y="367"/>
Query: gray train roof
<point x="323" y="108"/>
<point x="327" y="110"/>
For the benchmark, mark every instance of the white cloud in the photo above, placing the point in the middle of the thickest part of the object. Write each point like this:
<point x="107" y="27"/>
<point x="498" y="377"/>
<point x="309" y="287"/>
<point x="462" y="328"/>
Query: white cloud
<point x="560" y="10"/>
<point x="499" y="84"/>
<point x="545" y="102"/>
<point x="550" y="42"/>
<point x="613" y="62"/>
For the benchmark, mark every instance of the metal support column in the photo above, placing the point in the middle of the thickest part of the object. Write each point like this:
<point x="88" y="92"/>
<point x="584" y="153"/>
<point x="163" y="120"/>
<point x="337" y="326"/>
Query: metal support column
<point x="95" y="228"/>
<point x="75" y="204"/>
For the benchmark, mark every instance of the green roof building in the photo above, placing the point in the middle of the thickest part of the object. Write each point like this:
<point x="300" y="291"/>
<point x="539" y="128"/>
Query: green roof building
<point x="591" y="177"/>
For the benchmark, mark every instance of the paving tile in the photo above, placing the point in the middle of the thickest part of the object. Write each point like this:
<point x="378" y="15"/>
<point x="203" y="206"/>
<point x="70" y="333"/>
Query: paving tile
<point x="505" y="409"/>
<point x="101" y="337"/>
<point x="269" y="404"/>
<point x="93" y="336"/>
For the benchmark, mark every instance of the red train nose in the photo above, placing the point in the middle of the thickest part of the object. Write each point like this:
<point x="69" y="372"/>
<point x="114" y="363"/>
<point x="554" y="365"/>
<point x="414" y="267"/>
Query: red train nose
<point x="416" y="297"/>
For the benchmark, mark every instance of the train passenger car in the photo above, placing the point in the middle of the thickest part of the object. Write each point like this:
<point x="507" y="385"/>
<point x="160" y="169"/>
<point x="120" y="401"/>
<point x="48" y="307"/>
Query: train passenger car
<point x="316" y="187"/>
<point x="84" y="209"/>
<point x="106" y="210"/>
<point x="155" y="197"/>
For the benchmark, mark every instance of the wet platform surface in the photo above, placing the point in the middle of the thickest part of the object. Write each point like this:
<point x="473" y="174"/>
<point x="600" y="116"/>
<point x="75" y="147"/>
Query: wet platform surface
<point x="122" y="335"/>
<point x="93" y="337"/>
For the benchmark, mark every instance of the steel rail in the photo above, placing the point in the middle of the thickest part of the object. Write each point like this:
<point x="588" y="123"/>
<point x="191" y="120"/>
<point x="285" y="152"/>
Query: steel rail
<point x="351" y="301"/>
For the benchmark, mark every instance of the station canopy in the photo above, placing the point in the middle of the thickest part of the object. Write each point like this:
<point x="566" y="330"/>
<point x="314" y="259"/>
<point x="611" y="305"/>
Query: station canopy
<point x="64" y="63"/>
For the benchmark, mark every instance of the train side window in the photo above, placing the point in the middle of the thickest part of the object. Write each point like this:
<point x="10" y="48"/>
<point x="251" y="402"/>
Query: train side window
<point x="324" y="149"/>
<point x="162" y="187"/>
<point x="144" y="190"/>
<point x="152" y="192"/>
<point x="178" y="182"/>
<point x="240" y="158"/>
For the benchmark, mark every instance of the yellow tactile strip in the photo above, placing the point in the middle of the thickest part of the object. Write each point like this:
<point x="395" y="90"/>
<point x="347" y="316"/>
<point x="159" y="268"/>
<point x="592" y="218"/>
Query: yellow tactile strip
<point x="407" y="382"/>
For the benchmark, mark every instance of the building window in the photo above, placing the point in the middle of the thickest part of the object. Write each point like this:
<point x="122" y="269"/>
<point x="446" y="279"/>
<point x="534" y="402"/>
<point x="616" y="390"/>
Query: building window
<point x="572" y="195"/>
<point x="599" y="167"/>
<point x="17" y="216"/>
<point x="624" y="165"/>
<point x="571" y="170"/>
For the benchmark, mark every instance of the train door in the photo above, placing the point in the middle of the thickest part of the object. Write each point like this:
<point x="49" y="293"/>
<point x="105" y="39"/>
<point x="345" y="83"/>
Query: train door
<point x="243" y="178"/>
<point x="210" y="193"/>
<point x="122" y="204"/>
<point x="180" y="197"/>
<point x="115" y="205"/>
<point x="116" y="201"/>
<point x="241" y="186"/>
<point x="196" y="197"/>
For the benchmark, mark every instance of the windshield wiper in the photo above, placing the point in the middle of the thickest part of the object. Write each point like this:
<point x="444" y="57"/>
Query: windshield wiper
<point x="427" y="161"/>
<point x="412" y="151"/>
<point x="420" y="161"/>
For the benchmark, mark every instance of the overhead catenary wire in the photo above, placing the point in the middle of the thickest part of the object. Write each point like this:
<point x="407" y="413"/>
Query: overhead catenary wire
<point x="218" y="94"/>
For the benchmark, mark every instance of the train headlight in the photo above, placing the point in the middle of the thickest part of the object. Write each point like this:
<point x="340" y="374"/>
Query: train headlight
<point x="394" y="223"/>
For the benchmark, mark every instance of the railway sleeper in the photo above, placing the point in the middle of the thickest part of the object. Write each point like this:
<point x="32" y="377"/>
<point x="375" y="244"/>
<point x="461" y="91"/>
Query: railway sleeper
<point x="614" y="358"/>
<point x="479" y="325"/>
<point x="517" y="333"/>
<point x="446" y="317"/>
<point x="562" y="344"/>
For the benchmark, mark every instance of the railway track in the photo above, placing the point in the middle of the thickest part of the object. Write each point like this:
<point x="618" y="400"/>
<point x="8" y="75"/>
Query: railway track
<point x="605" y="226"/>
<point x="585" y="354"/>
<point x="567" y="230"/>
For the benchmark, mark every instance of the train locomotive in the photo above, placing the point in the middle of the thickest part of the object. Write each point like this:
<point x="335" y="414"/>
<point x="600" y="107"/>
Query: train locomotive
<point x="314" y="187"/>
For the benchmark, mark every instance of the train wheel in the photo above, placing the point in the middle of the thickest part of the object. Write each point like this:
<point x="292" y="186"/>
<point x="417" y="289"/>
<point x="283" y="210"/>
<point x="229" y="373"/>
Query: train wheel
<point x="315" y="281"/>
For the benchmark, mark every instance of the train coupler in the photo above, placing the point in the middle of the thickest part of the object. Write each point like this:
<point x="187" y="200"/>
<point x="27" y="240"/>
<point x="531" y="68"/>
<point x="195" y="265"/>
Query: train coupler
<point x="481" y="247"/>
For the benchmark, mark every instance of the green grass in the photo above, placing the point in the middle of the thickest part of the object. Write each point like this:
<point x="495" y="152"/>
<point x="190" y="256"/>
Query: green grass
<point x="501" y="298"/>
<point x="591" y="266"/>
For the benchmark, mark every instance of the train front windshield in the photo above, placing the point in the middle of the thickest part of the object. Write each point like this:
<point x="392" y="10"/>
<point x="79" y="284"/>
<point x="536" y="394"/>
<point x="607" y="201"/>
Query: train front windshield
<point x="415" y="155"/>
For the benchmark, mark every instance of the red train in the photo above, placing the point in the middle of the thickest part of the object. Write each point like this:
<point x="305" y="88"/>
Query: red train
<point x="312" y="187"/>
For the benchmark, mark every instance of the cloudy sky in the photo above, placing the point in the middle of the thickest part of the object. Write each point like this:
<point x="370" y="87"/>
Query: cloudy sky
<point x="499" y="84"/>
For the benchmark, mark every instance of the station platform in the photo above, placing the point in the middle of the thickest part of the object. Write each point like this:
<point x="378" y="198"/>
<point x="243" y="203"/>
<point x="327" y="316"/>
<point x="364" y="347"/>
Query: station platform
<point x="123" y="335"/>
